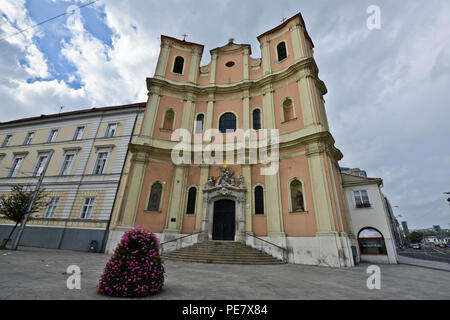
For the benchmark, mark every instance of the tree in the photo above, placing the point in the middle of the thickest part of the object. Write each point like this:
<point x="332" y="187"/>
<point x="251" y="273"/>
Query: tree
<point x="415" y="236"/>
<point x="14" y="207"/>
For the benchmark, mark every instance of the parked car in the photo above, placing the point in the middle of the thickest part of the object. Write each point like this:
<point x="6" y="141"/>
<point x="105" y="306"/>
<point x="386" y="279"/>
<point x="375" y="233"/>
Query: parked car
<point x="416" y="246"/>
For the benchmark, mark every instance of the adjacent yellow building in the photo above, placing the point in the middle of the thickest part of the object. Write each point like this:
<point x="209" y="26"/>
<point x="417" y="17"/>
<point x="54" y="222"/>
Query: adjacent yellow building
<point x="89" y="152"/>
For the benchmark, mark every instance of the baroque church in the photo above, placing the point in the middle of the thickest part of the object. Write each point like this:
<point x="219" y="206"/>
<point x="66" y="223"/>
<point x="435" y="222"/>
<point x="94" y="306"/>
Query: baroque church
<point x="300" y="208"/>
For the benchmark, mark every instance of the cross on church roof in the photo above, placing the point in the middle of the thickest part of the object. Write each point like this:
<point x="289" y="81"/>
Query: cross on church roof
<point x="283" y="19"/>
<point x="184" y="36"/>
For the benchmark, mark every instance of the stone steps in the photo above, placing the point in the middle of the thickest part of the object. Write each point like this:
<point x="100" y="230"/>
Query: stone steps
<point x="223" y="252"/>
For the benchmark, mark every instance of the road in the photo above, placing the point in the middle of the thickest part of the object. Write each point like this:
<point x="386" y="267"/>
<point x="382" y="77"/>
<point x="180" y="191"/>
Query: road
<point x="427" y="253"/>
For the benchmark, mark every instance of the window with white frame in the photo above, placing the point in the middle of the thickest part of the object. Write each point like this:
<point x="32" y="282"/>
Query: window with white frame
<point x="6" y="140"/>
<point x="78" y="133"/>
<point x="101" y="162"/>
<point x="40" y="164"/>
<point x="361" y="199"/>
<point x="16" y="164"/>
<point x="67" y="164"/>
<point x="51" y="207"/>
<point x="111" y="130"/>
<point x="52" y="135"/>
<point x="86" y="209"/>
<point x="28" y="138"/>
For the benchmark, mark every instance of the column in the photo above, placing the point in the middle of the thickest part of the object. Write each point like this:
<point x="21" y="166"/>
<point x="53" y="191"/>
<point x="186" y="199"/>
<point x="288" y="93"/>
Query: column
<point x="306" y="98"/>
<point x="247" y="173"/>
<point x="204" y="173"/>
<point x="133" y="190"/>
<point x="177" y="200"/>
<point x="265" y="56"/>
<point x="246" y="54"/>
<point x="151" y="111"/>
<point x="246" y="110"/>
<point x="209" y="112"/>
<point x="296" y="41"/>
<point x="321" y="194"/>
<point x="195" y="63"/>
<point x="163" y="58"/>
<point x="187" y="122"/>
<point x="212" y="80"/>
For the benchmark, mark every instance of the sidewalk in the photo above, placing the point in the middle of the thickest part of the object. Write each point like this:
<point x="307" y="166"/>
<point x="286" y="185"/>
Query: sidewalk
<point x="40" y="274"/>
<point x="424" y="263"/>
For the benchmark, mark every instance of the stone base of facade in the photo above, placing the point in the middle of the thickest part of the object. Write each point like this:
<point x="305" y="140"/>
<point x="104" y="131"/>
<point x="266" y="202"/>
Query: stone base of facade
<point x="57" y="237"/>
<point x="323" y="251"/>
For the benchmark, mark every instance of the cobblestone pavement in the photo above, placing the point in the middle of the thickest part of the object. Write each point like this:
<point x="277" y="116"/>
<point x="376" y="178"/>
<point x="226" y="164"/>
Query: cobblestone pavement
<point x="32" y="273"/>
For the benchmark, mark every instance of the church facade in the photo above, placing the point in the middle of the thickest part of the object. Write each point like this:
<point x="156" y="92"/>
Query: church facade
<point x="298" y="207"/>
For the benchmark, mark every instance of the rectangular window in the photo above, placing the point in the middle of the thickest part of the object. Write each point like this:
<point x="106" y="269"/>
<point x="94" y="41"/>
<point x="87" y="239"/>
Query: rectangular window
<point x="111" y="130"/>
<point x="6" y="140"/>
<point x="42" y="160"/>
<point x="52" y="136"/>
<point x="78" y="133"/>
<point x="67" y="164"/>
<point x="86" y="209"/>
<point x="17" y="162"/>
<point x="100" y="163"/>
<point x="361" y="199"/>
<point x="28" y="138"/>
<point x="51" y="207"/>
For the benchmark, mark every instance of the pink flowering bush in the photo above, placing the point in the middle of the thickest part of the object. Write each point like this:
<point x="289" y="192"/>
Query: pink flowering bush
<point x="136" y="268"/>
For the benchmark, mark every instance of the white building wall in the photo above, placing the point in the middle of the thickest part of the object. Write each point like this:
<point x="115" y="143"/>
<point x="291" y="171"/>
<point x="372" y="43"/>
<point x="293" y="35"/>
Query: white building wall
<point x="374" y="217"/>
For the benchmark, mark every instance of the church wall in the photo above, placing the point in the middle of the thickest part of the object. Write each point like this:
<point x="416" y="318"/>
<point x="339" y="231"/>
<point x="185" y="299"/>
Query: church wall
<point x="155" y="221"/>
<point x="193" y="179"/>
<point x="224" y="74"/>
<point x="276" y="65"/>
<point x="297" y="224"/>
<point x="166" y="103"/>
<point x="280" y="94"/>
<point x="222" y="106"/>
<point x="186" y="54"/>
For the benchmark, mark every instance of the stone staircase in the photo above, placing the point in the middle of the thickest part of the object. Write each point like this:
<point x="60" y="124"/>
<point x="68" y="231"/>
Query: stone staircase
<point x="225" y="252"/>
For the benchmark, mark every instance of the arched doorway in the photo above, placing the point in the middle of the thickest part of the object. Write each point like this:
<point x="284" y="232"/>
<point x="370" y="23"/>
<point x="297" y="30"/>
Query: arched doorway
<point x="371" y="242"/>
<point x="224" y="220"/>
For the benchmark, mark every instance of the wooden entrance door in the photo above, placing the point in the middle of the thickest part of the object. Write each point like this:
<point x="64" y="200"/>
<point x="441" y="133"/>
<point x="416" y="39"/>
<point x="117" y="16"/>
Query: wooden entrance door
<point x="224" y="220"/>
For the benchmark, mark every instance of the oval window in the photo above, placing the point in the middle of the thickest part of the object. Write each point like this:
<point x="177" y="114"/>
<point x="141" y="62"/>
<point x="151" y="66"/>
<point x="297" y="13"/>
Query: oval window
<point x="229" y="64"/>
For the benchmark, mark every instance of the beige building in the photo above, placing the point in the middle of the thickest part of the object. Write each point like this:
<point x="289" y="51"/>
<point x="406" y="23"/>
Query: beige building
<point x="368" y="217"/>
<point x="89" y="151"/>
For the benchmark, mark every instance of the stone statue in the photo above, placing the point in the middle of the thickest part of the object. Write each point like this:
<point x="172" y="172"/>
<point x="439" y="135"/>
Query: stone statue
<point x="241" y="181"/>
<point x="226" y="177"/>
<point x="209" y="184"/>
<point x="299" y="197"/>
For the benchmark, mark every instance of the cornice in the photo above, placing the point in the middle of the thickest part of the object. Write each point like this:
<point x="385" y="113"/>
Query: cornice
<point x="305" y="67"/>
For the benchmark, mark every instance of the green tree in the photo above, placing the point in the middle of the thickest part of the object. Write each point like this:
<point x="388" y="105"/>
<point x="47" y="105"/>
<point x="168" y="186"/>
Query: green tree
<point x="14" y="207"/>
<point x="415" y="236"/>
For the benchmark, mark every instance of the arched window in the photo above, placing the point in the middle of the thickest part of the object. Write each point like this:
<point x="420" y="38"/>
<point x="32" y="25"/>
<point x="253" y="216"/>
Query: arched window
<point x="288" y="110"/>
<point x="227" y="122"/>
<point x="155" y="197"/>
<point x="178" y="65"/>
<point x="256" y="119"/>
<point x="371" y="241"/>
<point x="199" y="123"/>
<point x="259" y="200"/>
<point x="297" y="201"/>
<point x="192" y="194"/>
<point x="281" y="51"/>
<point x="169" y="118"/>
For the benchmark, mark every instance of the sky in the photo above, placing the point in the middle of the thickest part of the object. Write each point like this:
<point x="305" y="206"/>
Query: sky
<point x="388" y="100"/>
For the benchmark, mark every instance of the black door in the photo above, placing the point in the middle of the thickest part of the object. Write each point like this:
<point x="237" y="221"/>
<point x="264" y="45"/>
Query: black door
<point x="223" y="225"/>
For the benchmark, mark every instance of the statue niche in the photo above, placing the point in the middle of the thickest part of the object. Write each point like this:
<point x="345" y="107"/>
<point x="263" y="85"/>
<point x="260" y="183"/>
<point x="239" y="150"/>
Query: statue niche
<point x="298" y="204"/>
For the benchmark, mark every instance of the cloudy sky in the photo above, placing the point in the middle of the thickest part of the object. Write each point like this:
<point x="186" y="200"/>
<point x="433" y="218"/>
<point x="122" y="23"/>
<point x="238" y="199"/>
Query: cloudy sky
<point x="388" y="98"/>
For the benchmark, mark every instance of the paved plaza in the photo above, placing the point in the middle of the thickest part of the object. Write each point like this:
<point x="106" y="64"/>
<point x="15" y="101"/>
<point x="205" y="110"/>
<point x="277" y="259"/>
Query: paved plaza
<point x="35" y="273"/>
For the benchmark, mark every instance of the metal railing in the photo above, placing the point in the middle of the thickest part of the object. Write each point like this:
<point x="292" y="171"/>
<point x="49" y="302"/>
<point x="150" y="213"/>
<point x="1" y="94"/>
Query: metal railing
<point x="283" y="250"/>
<point x="161" y="248"/>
